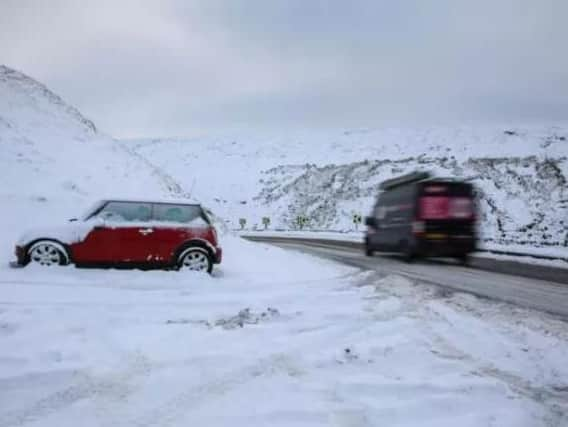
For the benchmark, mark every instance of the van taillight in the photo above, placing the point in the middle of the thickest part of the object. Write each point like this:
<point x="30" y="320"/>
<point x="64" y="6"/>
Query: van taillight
<point x="435" y="189"/>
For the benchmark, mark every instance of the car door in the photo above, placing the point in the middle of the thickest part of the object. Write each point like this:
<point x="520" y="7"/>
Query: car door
<point x="98" y="245"/>
<point x="131" y="231"/>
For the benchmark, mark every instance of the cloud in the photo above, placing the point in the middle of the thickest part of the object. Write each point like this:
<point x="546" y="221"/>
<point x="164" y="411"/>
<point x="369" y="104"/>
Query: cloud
<point x="176" y="67"/>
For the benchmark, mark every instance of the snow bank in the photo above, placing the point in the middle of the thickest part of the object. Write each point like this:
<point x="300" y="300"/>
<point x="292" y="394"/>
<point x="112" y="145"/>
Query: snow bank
<point x="273" y="338"/>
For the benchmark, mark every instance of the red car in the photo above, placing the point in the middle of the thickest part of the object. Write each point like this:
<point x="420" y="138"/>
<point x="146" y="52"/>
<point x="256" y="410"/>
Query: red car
<point x="128" y="233"/>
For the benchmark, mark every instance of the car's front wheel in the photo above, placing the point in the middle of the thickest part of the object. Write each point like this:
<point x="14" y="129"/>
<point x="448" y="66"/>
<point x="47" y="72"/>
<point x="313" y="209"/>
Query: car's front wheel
<point x="46" y="253"/>
<point x="195" y="259"/>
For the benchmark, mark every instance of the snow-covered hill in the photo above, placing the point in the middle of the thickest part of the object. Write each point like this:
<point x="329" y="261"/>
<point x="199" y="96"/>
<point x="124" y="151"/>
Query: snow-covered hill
<point x="521" y="174"/>
<point x="54" y="161"/>
<point x="48" y="149"/>
<point x="522" y="200"/>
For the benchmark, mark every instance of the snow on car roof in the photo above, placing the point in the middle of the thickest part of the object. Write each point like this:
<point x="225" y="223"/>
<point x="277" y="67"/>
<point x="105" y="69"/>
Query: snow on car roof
<point x="177" y="201"/>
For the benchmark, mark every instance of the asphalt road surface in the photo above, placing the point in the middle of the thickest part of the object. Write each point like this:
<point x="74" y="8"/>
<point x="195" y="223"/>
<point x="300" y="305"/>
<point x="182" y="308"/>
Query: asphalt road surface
<point x="527" y="285"/>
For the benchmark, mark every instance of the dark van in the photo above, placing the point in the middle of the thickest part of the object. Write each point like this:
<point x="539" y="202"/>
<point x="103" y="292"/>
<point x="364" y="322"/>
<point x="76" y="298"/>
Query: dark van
<point x="420" y="215"/>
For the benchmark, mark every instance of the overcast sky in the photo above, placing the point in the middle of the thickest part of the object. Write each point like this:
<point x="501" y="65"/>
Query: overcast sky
<point x="177" y="67"/>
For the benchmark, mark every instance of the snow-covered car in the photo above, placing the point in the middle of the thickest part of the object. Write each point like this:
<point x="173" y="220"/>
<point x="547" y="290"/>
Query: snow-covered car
<point x="128" y="233"/>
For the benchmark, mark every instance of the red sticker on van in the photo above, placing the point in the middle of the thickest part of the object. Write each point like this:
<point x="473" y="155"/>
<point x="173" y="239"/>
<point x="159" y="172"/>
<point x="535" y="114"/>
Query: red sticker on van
<point x="434" y="207"/>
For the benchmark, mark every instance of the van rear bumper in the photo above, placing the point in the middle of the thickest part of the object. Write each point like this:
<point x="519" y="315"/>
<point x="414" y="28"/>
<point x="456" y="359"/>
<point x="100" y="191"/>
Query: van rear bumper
<point x="445" y="245"/>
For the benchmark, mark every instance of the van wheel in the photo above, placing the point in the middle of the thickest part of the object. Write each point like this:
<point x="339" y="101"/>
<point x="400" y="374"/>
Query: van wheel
<point x="408" y="253"/>
<point x="368" y="249"/>
<point x="195" y="259"/>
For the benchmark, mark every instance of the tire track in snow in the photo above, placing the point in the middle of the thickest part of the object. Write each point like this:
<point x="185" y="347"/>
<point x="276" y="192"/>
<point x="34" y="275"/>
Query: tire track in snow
<point x="415" y="305"/>
<point x="175" y="408"/>
<point x="110" y="388"/>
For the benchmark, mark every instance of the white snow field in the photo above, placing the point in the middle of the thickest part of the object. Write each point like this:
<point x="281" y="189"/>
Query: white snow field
<point x="273" y="338"/>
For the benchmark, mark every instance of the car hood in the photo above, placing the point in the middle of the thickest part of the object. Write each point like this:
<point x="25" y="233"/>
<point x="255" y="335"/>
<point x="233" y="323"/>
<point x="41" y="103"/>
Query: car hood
<point x="65" y="233"/>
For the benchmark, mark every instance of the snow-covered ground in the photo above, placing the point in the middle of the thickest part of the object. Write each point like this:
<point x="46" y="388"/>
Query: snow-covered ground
<point x="274" y="338"/>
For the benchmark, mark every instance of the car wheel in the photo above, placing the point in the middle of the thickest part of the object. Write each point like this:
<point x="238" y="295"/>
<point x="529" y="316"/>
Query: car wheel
<point x="195" y="259"/>
<point x="46" y="253"/>
<point x="464" y="260"/>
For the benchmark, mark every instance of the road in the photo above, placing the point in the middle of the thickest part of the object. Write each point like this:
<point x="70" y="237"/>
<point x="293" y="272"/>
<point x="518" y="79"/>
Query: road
<point x="485" y="277"/>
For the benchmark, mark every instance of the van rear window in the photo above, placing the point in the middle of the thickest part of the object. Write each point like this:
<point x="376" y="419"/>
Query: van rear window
<point x="435" y="189"/>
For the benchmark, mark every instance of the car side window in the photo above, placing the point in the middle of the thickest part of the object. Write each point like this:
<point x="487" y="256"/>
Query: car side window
<point x="182" y="214"/>
<point x="126" y="212"/>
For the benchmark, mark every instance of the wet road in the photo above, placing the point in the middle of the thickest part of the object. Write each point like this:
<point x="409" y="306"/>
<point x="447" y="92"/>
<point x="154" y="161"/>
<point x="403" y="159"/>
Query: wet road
<point x="545" y="288"/>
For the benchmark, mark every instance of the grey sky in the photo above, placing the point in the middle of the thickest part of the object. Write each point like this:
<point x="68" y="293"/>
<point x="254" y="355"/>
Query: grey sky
<point x="164" y="68"/>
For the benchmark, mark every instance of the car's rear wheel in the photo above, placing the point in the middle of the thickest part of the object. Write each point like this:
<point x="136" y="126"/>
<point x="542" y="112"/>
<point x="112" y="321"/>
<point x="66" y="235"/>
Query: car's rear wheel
<point x="195" y="259"/>
<point x="46" y="253"/>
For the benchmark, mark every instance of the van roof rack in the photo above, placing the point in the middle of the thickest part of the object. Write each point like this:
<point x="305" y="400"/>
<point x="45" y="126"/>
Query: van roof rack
<point x="405" y="179"/>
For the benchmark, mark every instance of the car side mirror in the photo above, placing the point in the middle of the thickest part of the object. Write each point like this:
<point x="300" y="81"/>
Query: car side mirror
<point x="371" y="221"/>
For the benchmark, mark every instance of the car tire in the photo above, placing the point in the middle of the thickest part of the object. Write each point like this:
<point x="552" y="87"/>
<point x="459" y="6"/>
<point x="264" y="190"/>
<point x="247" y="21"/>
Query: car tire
<point x="47" y="253"/>
<point x="195" y="259"/>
